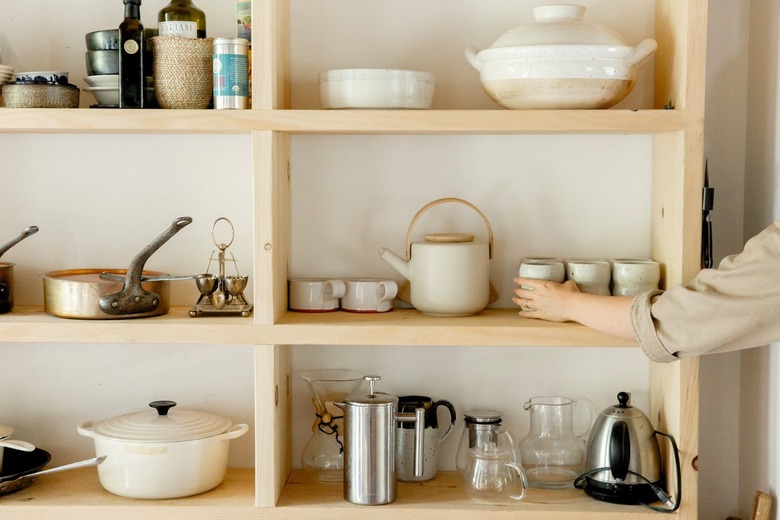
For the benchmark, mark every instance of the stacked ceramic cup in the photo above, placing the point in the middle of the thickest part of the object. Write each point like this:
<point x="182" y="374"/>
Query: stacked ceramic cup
<point x="620" y="277"/>
<point x="363" y="295"/>
<point x="632" y="276"/>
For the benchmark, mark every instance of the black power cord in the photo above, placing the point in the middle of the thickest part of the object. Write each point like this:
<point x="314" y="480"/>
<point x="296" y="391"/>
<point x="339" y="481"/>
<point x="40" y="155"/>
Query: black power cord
<point x="579" y="482"/>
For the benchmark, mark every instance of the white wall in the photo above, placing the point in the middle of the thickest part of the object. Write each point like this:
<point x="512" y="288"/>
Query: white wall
<point x="760" y="424"/>
<point x="726" y="99"/>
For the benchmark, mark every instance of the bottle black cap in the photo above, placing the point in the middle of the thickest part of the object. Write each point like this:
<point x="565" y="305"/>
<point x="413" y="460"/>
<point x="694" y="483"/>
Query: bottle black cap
<point x="132" y="2"/>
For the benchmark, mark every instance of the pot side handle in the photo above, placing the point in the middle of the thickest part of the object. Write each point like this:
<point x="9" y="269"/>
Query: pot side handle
<point x="642" y="53"/>
<point x="85" y="429"/>
<point x="471" y="57"/>
<point x="237" y="430"/>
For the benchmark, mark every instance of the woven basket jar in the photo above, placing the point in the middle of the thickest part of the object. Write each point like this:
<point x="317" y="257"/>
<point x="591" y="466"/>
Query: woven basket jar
<point x="183" y="75"/>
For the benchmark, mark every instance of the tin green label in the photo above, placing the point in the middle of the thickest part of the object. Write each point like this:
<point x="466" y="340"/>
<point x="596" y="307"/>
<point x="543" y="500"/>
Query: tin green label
<point x="231" y="75"/>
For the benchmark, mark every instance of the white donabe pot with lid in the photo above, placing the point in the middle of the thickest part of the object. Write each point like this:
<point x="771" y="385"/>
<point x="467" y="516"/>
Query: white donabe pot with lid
<point x="162" y="453"/>
<point x="559" y="61"/>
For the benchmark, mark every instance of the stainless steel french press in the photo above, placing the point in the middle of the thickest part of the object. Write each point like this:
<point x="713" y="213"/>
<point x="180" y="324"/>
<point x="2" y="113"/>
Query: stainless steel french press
<point x="370" y="423"/>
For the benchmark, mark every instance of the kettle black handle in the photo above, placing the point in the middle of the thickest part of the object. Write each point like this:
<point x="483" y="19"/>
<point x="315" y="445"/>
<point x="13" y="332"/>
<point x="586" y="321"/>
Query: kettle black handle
<point x="619" y="450"/>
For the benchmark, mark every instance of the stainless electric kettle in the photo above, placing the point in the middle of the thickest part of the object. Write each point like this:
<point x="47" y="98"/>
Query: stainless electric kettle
<point x="623" y="460"/>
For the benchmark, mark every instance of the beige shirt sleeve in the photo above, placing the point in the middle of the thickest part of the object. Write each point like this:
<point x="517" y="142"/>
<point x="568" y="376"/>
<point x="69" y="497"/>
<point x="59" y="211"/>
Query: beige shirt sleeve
<point x="733" y="307"/>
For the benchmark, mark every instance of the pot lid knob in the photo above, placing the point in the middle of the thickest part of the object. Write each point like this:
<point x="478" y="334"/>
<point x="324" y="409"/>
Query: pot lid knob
<point x="623" y="398"/>
<point x="162" y="407"/>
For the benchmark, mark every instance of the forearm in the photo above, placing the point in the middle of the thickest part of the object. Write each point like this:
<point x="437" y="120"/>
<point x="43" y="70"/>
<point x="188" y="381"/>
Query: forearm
<point x="608" y="314"/>
<point x="552" y="301"/>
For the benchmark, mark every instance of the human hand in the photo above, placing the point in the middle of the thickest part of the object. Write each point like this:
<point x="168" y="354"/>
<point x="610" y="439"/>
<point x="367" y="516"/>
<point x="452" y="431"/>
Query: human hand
<point x="543" y="299"/>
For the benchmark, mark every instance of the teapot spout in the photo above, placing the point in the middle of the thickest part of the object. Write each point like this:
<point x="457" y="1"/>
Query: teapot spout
<point x="395" y="261"/>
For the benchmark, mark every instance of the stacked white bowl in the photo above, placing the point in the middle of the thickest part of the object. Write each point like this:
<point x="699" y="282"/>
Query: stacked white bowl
<point x="105" y="88"/>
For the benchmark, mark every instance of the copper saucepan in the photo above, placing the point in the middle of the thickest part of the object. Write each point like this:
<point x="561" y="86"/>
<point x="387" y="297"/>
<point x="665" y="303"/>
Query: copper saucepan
<point x="103" y="294"/>
<point x="7" y="272"/>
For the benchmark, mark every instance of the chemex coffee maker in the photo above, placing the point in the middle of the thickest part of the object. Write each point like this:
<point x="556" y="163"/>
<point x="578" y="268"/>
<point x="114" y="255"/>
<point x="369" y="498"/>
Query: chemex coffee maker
<point x="623" y="460"/>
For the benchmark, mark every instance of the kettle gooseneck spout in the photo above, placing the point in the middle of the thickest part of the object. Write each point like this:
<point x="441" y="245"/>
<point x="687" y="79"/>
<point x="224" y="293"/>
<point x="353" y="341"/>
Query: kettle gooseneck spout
<point x="395" y="261"/>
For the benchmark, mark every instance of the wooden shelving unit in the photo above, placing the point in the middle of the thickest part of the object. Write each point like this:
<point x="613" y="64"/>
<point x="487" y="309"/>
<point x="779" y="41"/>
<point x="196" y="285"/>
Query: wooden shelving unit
<point x="272" y="489"/>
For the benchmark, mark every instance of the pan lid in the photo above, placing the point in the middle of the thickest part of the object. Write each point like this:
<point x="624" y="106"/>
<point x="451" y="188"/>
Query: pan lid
<point x="162" y="425"/>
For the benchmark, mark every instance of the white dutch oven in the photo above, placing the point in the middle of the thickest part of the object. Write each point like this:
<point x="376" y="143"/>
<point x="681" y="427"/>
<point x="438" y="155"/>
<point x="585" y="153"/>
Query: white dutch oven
<point x="559" y="62"/>
<point x="160" y="454"/>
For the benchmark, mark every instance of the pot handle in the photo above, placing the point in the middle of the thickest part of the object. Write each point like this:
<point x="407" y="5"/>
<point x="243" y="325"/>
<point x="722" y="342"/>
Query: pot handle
<point x="133" y="299"/>
<point x="642" y="53"/>
<point x="85" y="429"/>
<point x="471" y="57"/>
<point x="26" y="233"/>
<point x="443" y="201"/>
<point x="237" y="430"/>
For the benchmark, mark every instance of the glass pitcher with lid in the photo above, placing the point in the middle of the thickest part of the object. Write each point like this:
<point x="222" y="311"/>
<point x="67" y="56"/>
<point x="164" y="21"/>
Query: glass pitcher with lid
<point x="483" y="426"/>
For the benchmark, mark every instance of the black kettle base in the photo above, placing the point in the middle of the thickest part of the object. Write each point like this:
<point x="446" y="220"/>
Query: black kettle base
<point x="620" y="493"/>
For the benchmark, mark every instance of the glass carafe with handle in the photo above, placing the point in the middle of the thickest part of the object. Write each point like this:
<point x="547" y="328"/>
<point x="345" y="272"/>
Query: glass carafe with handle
<point x="323" y="457"/>
<point x="552" y="453"/>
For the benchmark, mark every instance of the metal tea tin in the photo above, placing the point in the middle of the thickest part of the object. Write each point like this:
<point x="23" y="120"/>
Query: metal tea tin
<point x="231" y="73"/>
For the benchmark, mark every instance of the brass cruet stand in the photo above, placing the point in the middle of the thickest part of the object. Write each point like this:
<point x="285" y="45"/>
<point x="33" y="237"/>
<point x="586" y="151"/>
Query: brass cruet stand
<point x="221" y="294"/>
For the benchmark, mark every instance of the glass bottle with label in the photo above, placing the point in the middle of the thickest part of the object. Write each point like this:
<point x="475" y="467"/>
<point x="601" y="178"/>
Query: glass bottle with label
<point x="131" y="57"/>
<point x="181" y="18"/>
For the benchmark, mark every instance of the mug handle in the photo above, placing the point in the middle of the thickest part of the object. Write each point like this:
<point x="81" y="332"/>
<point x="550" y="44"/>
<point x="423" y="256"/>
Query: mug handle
<point x="453" y="417"/>
<point x="337" y="289"/>
<point x="521" y="479"/>
<point x="390" y="290"/>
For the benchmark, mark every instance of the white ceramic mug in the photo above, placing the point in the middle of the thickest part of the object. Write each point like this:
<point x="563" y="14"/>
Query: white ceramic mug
<point x="591" y="276"/>
<point x="315" y="294"/>
<point x="632" y="276"/>
<point x="369" y="295"/>
<point x="542" y="269"/>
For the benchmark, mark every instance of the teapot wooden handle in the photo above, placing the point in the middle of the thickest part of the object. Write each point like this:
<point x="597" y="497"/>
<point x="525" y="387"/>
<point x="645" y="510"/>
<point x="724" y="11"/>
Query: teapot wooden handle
<point x="444" y="201"/>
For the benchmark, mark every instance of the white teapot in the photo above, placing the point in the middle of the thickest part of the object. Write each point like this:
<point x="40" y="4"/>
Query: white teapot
<point x="448" y="273"/>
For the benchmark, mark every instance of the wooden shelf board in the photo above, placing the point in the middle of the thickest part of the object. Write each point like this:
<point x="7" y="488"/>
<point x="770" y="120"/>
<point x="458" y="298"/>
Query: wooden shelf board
<point x="78" y="495"/>
<point x="491" y="327"/>
<point x="500" y="327"/>
<point x="444" y="498"/>
<point x="32" y="325"/>
<point x="37" y="120"/>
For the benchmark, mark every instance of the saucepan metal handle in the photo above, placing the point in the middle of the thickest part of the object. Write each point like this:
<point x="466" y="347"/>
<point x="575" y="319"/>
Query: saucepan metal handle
<point x="24" y="234"/>
<point x="164" y="278"/>
<point x="133" y="299"/>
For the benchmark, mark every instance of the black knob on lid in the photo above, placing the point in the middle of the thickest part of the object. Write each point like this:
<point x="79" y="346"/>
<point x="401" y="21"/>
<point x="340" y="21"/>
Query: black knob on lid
<point x="162" y="407"/>
<point x="623" y="398"/>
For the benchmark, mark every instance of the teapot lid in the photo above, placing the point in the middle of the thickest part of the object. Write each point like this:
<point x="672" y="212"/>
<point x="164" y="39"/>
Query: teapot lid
<point x="449" y="237"/>
<point x="559" y="24"/>
<point x="483" y="416"/>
